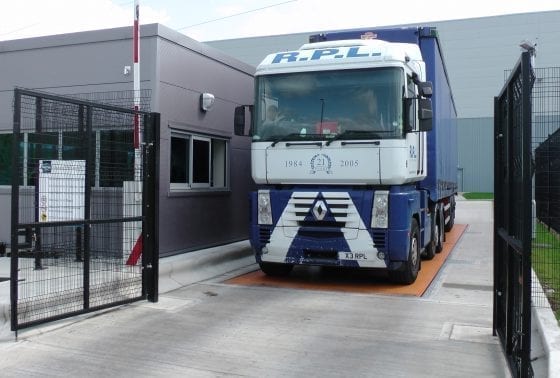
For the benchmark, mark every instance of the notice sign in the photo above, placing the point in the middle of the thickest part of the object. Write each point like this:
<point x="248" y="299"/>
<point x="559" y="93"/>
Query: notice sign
<point x="61" y="190"/>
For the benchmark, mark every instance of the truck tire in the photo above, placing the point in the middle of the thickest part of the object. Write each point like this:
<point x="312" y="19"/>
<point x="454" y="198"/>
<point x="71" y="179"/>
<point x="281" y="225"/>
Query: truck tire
<point x="275" y="269"/>
<point x="408" y="275"/>
<point x="451" y="221"/>
<point x="440" y="237"/>
<point x="431" y="248"/>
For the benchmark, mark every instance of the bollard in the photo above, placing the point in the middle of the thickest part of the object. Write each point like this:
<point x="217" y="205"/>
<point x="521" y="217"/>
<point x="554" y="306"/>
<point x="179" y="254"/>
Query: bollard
<point x="36" y="252"/>
<point x="2" y="249"/>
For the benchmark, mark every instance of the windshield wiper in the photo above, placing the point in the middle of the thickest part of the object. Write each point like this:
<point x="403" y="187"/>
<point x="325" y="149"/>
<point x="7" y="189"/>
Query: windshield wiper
<point x="347" y="133"/>
<point x="297" y="137"/>
<point x="283" y="138"/>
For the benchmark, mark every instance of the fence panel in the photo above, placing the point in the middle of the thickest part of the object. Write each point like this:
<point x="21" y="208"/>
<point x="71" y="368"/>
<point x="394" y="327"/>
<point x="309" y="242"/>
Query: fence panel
<point x="513" y="217"/>
<point x="546" y="151"/>
<point x="79" y="196"/>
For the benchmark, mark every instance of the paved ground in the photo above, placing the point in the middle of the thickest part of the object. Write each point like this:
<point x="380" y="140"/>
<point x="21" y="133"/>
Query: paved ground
<point x="210" y="328"/>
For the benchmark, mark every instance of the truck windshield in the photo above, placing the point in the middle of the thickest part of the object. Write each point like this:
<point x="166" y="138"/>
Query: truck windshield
<point x="326" y="105"/>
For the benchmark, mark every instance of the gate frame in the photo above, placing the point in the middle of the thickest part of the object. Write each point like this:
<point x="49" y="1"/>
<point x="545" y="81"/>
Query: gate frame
<point x="150" y="206"/>
<point x="516" y="343"/>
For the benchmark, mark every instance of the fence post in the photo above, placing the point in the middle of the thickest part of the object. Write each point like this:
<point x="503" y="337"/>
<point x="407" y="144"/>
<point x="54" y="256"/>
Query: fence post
<point x="150" y="234"/>
<point x="14" y="263"/>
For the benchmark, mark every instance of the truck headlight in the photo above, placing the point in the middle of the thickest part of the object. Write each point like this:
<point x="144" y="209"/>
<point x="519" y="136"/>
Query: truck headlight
<point x="264" y="209"/>
<point x="380" y="209"/>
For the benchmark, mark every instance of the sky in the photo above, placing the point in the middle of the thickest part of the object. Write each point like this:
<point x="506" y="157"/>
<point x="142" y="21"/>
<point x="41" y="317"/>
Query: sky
<point x="208" y="20"/>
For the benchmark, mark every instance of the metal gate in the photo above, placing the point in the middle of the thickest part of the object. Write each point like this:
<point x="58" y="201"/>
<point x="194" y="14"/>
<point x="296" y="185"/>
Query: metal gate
<point x="84" y="196"/>
<point x="513" y="217"/>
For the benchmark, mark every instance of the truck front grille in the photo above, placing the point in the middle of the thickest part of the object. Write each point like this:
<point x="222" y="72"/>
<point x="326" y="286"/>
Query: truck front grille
<point x="299" y="211"/>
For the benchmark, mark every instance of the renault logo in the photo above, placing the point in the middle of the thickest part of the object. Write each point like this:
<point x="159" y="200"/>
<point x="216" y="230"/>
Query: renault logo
<point x="320" y="210"/>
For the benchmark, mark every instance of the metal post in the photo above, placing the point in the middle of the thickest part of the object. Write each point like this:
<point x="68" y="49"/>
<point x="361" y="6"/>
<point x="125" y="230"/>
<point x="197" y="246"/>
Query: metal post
<point x="36" y="251"/>
<point x="87" y="204"/>
<point x="36" y="240"/>
<point x="15" y="212"/>
<point x="526" y="213"/>
<point x="150" y="218"/>
<point x="136" y="68"/>
<point x="498" y="139"/>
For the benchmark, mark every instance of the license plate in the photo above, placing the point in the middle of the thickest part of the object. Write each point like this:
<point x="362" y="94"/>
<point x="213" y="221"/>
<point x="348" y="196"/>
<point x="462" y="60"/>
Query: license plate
<point x="352" y="256"/>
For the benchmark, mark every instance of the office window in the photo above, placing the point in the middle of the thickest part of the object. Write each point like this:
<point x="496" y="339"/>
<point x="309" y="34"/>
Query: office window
<point x="179" y="175"/>
<point x="197" y="162"/>
<point x="201" y="162"/>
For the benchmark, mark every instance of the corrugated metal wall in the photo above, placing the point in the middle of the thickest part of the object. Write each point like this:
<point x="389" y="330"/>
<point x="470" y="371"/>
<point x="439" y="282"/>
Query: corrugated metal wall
<point x="475" y="172"/>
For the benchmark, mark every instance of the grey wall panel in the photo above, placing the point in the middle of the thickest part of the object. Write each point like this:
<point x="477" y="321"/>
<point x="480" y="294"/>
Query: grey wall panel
<point x="195" y="219"/>
<point x="478" y="51"/>
<point x="70" y="66"/>
<point x="199" y="219"/>
<point x="475" y="172"/>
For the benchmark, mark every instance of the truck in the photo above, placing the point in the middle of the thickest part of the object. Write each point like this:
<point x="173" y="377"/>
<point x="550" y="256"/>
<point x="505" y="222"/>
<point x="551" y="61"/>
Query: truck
<point x="353" y="153"/>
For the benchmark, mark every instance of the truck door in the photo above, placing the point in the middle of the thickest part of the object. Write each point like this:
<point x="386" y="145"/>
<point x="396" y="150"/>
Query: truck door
<point x="415" y="140"/>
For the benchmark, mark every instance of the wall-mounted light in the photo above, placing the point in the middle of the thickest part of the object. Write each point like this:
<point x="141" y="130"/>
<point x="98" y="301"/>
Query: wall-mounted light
<point x="206" y="101"/>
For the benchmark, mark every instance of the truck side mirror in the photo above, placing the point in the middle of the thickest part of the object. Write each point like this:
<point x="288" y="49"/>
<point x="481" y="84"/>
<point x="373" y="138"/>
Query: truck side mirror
<point x="425" y="89"/>
<point x="239" y="124"/>
<point x="425" y="114"/>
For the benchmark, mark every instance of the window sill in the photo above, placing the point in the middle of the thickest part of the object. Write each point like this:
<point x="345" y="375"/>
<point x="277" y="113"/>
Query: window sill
<point x="203" y="192"/>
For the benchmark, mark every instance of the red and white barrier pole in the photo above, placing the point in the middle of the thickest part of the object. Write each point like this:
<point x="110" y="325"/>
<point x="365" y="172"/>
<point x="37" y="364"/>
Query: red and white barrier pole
<point x="136" y="68"/>
<point x="132" y="190"/>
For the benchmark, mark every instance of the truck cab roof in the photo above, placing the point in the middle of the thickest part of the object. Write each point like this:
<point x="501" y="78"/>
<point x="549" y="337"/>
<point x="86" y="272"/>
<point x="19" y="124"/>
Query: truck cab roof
<point x="342" y="54"/>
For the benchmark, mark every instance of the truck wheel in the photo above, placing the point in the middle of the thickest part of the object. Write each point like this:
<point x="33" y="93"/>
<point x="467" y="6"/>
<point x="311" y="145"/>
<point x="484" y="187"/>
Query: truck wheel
<point x="410" y="272"/>
<point x="451" y="221"/>
<point x="430" y="251"/>
<point x="440" y="234"/>
<point x="275" y="269"/>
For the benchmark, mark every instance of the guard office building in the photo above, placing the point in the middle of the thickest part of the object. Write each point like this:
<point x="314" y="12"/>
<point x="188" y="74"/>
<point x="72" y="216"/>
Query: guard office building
<point x="195" y="210"/>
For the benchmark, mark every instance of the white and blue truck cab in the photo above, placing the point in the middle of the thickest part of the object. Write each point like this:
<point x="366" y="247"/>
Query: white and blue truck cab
<point x="353" y="153"/>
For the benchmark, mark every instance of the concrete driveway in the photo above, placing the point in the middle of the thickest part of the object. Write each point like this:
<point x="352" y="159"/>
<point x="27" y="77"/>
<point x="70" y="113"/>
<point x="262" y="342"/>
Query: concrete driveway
<point x="209" y="328"/>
